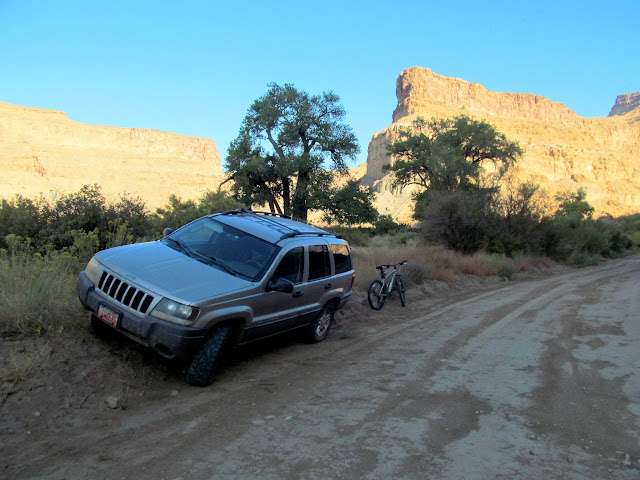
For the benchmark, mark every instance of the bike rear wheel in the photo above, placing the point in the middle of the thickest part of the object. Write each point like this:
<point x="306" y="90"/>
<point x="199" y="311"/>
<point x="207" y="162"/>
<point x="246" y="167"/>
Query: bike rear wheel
<point x="400" y="289"/>
<point x="375" y="295"/>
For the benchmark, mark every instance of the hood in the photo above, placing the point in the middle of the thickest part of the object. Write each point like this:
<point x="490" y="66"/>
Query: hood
<point x="165" y="271"/>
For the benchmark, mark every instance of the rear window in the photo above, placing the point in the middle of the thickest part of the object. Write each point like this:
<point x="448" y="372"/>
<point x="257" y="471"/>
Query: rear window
<point x="341" y="257"/>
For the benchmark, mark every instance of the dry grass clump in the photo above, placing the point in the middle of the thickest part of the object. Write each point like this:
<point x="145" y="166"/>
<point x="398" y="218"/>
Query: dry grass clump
<point x="37" y="294"/>
<point x="437" y="263"/>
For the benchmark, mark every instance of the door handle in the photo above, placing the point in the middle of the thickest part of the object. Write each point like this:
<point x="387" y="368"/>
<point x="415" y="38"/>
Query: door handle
<point x="328" y="285"/>
<point x="298" y="294"/>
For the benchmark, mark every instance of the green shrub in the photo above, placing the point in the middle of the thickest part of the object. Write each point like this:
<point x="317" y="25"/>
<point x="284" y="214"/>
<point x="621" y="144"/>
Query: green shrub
<point x="177" y="213"/>
<point x="85" y="245"/>
<point x="356" y="236"/>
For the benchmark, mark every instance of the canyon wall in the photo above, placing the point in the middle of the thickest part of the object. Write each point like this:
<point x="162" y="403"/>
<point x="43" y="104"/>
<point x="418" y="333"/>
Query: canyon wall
<point x="562" y="151"/>
<point x="44" y="152"/>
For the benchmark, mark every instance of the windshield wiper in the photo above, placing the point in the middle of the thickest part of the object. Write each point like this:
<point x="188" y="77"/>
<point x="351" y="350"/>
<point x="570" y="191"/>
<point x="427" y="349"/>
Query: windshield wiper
<point x="209" y="259"/>
<point x="180" y="246"/>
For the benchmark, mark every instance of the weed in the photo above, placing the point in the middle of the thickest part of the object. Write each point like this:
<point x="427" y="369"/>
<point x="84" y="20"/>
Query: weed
<point x="37" y="294"/>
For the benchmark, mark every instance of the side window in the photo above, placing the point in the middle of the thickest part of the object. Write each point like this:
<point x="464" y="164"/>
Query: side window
<point x="291" y="266"/>
<point x="319" y="263"/>
<point x="341" y="258"/>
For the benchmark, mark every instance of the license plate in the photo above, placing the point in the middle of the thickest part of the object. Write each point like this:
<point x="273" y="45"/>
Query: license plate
<point x="108" y="316"/>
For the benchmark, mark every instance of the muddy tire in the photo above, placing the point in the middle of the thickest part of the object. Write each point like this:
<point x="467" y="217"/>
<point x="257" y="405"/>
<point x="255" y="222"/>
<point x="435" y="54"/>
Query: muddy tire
<point x="320" y="327"/>
<point x="203" y="367"/>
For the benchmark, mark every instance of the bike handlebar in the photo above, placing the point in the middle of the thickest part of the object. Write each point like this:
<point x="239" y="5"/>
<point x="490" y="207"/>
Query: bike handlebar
<point x="389" y="265"/>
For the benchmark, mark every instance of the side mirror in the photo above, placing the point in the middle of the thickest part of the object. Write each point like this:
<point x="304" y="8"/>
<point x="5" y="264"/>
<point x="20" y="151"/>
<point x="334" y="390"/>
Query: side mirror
<point x="281" y="285"/>
<point x="166" y="231"/>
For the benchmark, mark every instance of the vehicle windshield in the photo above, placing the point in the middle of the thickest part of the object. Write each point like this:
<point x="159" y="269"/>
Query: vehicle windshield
<point x="229" y="249"/>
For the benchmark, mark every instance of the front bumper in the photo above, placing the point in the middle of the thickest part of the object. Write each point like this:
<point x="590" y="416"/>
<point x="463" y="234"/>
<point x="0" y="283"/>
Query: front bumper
<point x="168" y="339"/>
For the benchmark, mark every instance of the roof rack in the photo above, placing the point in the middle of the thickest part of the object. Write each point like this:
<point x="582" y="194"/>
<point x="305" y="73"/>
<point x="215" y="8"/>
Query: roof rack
<point x="293" y="233"/>
<point x="244" y="210"/>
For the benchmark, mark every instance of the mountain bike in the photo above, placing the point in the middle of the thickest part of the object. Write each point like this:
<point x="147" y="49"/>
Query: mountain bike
<point x="379" y="290"/>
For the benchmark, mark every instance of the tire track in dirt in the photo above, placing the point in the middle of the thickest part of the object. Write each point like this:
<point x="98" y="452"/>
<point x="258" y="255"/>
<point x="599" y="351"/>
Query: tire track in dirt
<point x="370" y="374"/>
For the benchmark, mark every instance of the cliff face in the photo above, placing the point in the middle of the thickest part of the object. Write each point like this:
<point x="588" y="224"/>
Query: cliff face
<point x="626" y="103"/>
<point x="44" y="152"/>
<point x="562" y="151"/>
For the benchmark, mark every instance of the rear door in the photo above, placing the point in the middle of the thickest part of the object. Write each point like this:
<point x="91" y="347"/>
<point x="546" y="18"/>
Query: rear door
<point x="319" y="280"/>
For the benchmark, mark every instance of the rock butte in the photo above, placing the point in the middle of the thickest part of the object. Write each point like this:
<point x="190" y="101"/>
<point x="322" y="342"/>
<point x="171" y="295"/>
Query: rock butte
<point x="562" y="151"/>
<point x="44" y="152"/>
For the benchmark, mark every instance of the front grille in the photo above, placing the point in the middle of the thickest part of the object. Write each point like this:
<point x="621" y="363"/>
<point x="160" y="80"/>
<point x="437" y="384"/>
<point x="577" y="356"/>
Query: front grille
<point x="124" y="294"/>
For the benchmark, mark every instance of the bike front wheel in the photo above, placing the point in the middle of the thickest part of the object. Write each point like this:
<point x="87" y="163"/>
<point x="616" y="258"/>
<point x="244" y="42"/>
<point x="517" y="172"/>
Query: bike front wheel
<point x="375" y="295"/>
<point x="400" y="289"/>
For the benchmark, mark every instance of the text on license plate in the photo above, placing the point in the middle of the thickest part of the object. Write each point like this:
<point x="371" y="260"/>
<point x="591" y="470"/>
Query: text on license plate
<point x="108" y="315"/>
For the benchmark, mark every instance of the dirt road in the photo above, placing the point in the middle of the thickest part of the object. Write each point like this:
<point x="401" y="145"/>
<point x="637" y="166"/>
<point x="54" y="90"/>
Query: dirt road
<point x="529" y="379"/>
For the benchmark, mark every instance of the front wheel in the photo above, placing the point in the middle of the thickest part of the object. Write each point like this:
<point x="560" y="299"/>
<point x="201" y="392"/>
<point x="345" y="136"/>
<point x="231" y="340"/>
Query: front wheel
<point x="375" y="295"/>
<point x="400" y="289"/>
<point x="203" y="366"/>
<point x="319" y="329"/>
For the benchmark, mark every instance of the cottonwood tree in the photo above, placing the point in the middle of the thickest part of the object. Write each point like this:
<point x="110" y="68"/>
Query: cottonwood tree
<point x="286" y="144"/>
<point x="458" y="163"/>
<point x="447" y="155"/>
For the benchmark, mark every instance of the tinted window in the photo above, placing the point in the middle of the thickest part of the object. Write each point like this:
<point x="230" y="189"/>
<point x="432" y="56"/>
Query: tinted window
<point x="236" y="250"/>
<point x="341" y="258"/>
<point x="319" y="263"/>
<point x="291" y="266"/>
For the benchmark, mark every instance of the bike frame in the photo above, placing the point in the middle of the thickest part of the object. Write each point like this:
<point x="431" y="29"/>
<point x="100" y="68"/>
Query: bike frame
<point x="388" y="280"/>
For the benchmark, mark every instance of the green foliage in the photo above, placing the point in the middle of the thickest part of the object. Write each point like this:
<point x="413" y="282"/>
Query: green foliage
<point x="286" y="138"/>
<point x="356" y="236"/>
<point x="449" y="154"/>
<point x="177" y="213"/>
<point x="19" y="216"/>
<point x="574" y="206"/>
<point x="386" y="224"/>
<point x="351" y="205"/>
<point x="573" y="236"/>
<point x="85" y="244"/>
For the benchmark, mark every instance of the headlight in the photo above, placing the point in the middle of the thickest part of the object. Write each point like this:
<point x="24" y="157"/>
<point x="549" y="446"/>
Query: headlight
<point x="175" y="312"/>
<point x="92" y="270"/>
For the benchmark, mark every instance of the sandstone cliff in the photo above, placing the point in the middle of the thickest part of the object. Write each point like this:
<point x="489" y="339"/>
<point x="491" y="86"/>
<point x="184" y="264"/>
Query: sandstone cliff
<point x="44" y="152"/>
<point x="562" y="151"/>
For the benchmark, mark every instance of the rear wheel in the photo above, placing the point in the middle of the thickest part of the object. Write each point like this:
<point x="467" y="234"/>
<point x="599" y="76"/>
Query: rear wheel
<point x="400" y="289"/>
<point x="375" y="296"/>
<point x="203" y="367"/>
<point x="320" y="327"/>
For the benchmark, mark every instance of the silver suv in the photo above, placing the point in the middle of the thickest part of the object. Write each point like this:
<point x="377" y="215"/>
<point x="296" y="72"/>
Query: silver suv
<point x="231" y="277"/>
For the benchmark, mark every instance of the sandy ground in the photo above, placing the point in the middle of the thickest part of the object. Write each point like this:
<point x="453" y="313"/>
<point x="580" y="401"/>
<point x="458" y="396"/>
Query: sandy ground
<point x="528" y="379"/>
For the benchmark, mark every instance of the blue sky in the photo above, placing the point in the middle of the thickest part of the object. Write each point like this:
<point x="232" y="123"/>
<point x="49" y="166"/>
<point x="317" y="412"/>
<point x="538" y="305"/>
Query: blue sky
<point x="195" y="67"/>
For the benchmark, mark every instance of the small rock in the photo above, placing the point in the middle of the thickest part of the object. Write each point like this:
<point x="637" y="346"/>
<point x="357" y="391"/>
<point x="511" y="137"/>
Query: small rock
<point x="37" y="414"/>
<point x="112" y="402"/>
<point x="174" y="393"/>
<point x="531" y="452"/>
<point x="388" y="362"/>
